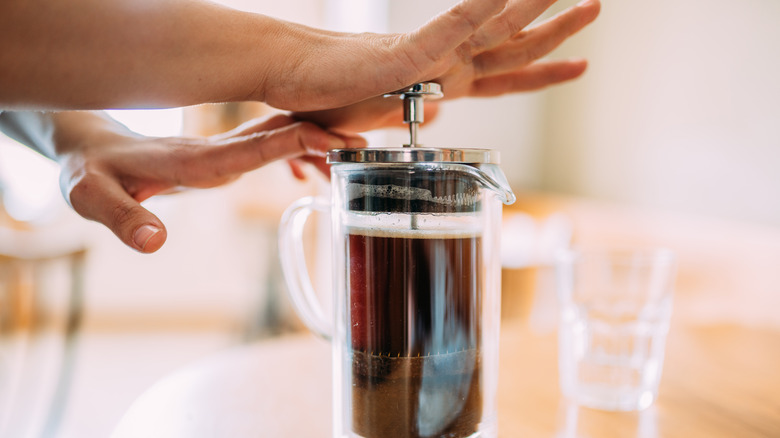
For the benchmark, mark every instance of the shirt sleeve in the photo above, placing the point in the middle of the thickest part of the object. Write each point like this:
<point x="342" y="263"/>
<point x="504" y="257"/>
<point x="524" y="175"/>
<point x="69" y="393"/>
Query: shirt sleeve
<point x="31" y="128"/>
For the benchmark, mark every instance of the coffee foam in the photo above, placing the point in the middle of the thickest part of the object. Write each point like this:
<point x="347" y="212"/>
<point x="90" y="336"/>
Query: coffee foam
<point x="413" y="234"/>
<point x="389" y="191"/>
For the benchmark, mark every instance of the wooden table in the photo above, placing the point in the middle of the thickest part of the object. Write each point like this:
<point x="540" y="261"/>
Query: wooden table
<point x="719" y="381"/>
<point x="721" y="376"/>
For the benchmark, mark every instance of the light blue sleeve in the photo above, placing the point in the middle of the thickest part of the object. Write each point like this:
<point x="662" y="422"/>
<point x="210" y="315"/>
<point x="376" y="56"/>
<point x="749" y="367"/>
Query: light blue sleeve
<point x="33" y="129"/>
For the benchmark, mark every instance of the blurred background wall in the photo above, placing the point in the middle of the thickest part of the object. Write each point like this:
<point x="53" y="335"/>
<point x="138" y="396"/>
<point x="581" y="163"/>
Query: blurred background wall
<point x="678" y="111"/>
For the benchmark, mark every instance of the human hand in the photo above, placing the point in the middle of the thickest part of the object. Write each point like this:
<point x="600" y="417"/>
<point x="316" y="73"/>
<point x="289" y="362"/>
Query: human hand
<point x="478" y="48"/>
<point x="107" y="177"/>
<point x="512" y="66"/>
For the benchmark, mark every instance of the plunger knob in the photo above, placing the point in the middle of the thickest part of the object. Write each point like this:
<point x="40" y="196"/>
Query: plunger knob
<point x="414" y="108"/>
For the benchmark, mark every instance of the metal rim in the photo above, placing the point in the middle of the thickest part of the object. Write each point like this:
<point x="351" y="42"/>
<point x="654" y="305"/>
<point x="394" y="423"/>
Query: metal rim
<point x="413" y="155"/>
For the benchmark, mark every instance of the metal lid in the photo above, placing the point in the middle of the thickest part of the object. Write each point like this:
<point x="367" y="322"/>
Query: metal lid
<point x="413" y="155"/>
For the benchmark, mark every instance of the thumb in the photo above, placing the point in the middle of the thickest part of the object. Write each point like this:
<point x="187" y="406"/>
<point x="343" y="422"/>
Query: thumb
<point x="101" y="198"/>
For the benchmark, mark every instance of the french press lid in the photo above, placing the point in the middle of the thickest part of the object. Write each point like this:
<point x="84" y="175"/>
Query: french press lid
<point x="413" y="179"/>
<point x="412" y="153"/>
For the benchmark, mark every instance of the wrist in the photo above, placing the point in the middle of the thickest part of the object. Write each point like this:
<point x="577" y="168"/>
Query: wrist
<point x="280" y="54"/>
<point x="77" y="132"/>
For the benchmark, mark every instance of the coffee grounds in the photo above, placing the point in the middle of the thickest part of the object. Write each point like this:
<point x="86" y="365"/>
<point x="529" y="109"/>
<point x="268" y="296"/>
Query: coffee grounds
<point x="416" y="397"/>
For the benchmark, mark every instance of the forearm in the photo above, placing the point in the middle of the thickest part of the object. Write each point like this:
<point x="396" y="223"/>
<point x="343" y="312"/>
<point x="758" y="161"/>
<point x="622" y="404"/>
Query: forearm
<point x="90" y="54"/>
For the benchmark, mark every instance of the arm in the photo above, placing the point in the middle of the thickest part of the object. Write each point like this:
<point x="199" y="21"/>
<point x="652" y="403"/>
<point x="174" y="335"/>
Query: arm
<point x="83" y="54"/>
<point x="155" y="53"/>
<point x="512" y="66"/>
<point x="107" y="170"/>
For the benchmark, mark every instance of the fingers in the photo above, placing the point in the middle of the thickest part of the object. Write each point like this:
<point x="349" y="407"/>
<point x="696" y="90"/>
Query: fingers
<point x="260" y="124"/>
<point x="533" y="77"/>
<point x="101" y="198"/>
<point x="441" y="36"/>
<point x="515" y="17"/>
<point x="532" y="44"/>
<point x="214" y="164"/>
<point x="319" y="163"/>
<point x="296" y="169"/>
<point x="370" y="114"/>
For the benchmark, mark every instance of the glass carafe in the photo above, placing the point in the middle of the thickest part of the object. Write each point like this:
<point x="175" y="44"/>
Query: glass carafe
<point x="416" y="267"/>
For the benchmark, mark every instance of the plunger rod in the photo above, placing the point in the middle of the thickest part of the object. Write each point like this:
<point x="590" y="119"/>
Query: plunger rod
<point x="414" y="114"/>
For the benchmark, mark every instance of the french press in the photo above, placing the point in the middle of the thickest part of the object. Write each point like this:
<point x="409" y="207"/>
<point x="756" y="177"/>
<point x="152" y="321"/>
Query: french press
<point x="416" y="282"/>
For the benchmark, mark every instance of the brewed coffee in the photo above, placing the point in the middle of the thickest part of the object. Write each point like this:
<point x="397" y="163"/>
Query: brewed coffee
<point x="415" y="312"/>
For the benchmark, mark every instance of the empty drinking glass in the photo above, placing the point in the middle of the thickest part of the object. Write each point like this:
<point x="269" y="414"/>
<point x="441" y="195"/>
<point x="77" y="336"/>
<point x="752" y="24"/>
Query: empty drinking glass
<point x="40" y="302"/>
<point x="615" y="311"/>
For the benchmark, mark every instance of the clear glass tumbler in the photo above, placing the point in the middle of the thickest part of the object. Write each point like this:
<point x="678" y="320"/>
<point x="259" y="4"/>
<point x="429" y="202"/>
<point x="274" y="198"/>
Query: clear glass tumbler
<point x="615" y="312"/>
<point x="40" y="307"/>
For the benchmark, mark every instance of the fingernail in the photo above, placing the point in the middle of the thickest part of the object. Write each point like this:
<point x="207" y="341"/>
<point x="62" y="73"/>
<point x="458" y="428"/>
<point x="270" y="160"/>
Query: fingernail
<point x="143" y="234"/>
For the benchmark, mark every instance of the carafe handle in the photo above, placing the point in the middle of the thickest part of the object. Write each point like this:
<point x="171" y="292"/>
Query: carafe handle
<point x="293" y="262"/>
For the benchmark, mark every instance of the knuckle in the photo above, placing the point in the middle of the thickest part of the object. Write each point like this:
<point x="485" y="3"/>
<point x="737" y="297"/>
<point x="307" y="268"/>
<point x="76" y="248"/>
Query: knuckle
<point x="204" y="170"/>
<point x="181" y="152"/>
<point x="520" y="36"/>
<point x="510" y="27"/>
<point x="462" y="14"/>
<point x="412" y="61"/>
<point x="123" y="214"/>
<point x="465" y="53"/>
<point x="184" y="159"/>
<point x="260" y="151"/>
<point x="480" y="65"/>
<point x="308" y="135"/>
<point x="478" y="43"/>
<point x="498" y="32"/>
